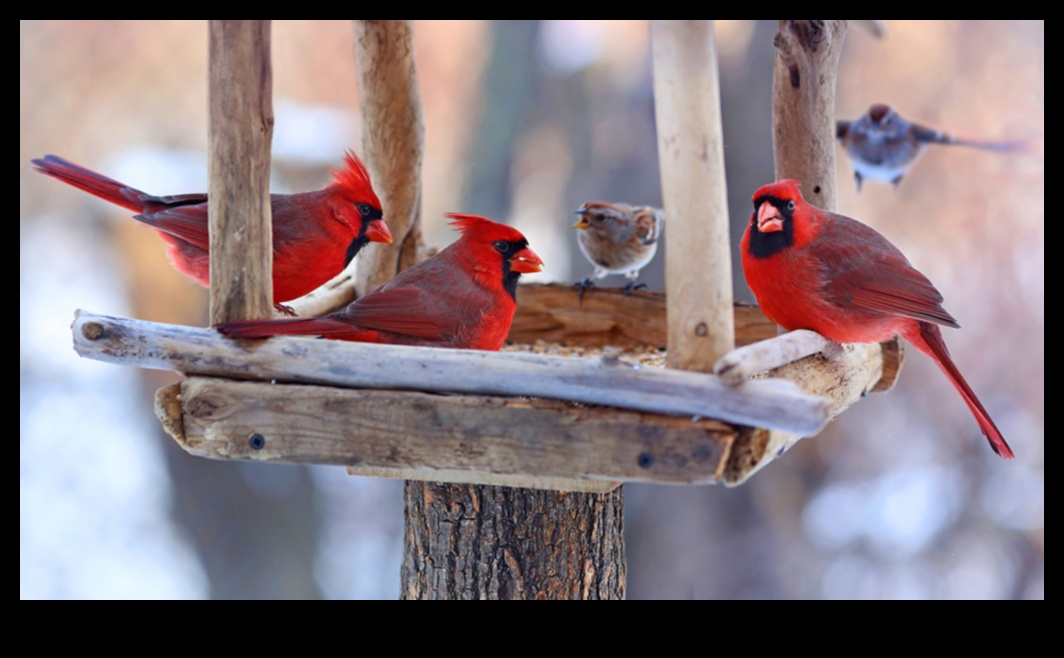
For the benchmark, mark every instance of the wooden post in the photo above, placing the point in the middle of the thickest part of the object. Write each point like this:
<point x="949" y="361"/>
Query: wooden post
<point x="393" y="137"/>
<point x="691" y="151"/>
<point x="240" y="135"/>
<point x="803" y="114"/>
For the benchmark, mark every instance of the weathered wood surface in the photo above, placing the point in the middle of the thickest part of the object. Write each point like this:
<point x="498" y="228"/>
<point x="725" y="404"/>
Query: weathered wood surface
<point x="240" y="133"/>
<point x="803" y="114"/>
<point x="853" y="372"/>
<point x="392" y="143"/>
<point x="501" y="544"/>
<point x="741" y="364"/>
<point x="328" y="298"/>
<point x="772" y="403"/>
<point x="519" y="441"/>
<point x="691" y="156"/>
<point x="606" y="317"/>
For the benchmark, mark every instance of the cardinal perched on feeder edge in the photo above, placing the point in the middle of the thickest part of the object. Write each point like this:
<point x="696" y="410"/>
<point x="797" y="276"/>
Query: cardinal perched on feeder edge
<point x="882" y="145"/>
<point x="813" y="269"/>
<point x="463" y="297"/>
<point x="315" y="234"/>
<point x="618" y="238"/>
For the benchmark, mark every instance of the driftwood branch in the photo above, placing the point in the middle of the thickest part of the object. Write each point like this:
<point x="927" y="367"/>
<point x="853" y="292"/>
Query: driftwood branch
<point x="803" y="115"/>
<point x="240" y="134"/>
<point x="743" y="363"/>
<point x="774" y="403"/>
<point x="691" y="153"/>
<point x="392" y="143"/>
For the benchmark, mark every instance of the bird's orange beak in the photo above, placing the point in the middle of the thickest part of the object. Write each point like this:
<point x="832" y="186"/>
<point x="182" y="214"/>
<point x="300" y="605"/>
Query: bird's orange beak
<point x="768" y="218"/>
<point x="377" y="231"/>
<point x="582" y="223"/>
<point x="526" y="262"/>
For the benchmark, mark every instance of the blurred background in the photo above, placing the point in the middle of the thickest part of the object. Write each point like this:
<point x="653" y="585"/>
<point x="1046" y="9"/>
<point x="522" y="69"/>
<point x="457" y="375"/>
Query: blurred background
<point x="525" y="120"/>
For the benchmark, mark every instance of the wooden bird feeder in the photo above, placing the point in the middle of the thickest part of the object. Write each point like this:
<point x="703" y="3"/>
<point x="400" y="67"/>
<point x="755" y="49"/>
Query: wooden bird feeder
<point x="716" y="414"/>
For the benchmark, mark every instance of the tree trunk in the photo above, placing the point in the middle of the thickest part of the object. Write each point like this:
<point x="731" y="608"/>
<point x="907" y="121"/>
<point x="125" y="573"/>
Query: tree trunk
<point x="482" y="542"/>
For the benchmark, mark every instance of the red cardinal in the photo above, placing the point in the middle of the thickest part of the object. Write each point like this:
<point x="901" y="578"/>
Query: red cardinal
<point x="463" y="297"/>
<point x="882" y="144"/>
<point x="315" y="234"/>
<point x="812" y="269"/>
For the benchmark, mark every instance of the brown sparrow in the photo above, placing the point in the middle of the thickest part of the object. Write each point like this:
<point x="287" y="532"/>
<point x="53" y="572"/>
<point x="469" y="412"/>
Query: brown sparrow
<point x="617" y="238"/>
<point x="882" y="145"/>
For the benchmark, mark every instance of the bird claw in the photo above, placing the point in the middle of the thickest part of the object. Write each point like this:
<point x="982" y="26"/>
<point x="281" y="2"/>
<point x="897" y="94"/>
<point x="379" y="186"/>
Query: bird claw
<point x="583" y="285"/>
<point x="632" y="285"/>
<point x="285" y="310"/>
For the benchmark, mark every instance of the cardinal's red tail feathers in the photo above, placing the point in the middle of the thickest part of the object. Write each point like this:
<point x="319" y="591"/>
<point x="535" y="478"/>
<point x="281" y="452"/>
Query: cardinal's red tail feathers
<point x="294" y="327"/>
<point x="931" y="343"/>
<point x="96" y="184"/>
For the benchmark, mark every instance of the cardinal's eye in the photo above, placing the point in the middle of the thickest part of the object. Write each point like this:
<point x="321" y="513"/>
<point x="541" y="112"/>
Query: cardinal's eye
<point x="599" y="218"/>
<point x="790" y="205"/>
<point x="502" y="246"/>
<point x="364" y="208"/>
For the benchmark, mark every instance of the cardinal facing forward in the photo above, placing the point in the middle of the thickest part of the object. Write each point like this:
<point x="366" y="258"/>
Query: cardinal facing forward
<point x="315" y="234"/>
<point x="463" y="297"/>
<point x="882" y="145"/>
<point x="618" y="239"/>
<point x="813" y="269"/>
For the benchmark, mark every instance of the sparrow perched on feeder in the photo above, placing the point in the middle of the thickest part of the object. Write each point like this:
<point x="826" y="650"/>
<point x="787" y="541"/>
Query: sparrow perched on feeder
<point x="315" y="234"/>
<point x="813" y="269"/>
<point x="463" y="297"/>
<point x="882" y="145"/>
<point x="618" y="238"/>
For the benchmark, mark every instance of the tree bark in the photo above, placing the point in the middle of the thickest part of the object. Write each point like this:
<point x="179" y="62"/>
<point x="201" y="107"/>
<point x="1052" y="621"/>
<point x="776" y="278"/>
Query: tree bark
<point x="481" y="542"/>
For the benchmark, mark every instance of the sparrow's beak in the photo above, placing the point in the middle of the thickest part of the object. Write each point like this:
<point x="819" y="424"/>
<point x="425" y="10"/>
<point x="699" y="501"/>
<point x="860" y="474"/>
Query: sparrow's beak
<point x="768" y="218"/>
<point x="581" y="223"/>
<point x="377" y="231"/>
<point x="526" y="262"/>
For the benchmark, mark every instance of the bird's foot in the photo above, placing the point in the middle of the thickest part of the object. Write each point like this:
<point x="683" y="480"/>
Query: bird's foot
<point x="583" y="285"/>
<point x="632" y="285"/>
<point x="285" y="310"/>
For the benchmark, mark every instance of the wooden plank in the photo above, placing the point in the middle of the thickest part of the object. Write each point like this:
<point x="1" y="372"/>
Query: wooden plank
<point x="691" y="156"/>
<point x="772" y="403"/>
<point x="516" y="442"/>
<point x="606" y="317"/>
<point x="240" y="132"/>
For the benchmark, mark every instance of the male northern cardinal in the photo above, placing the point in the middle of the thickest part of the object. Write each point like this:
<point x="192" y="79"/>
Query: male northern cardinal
<point x="813" y="269"/>
<point x="882" y="145"/>
<point x="463" y="297"/>
<point x="315" y="234"/>
<point x="618" y="238"/>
